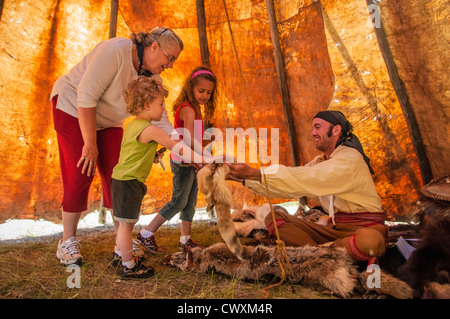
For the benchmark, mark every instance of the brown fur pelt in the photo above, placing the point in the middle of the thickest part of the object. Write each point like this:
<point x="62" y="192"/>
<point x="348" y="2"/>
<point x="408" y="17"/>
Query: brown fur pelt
<point x="312" y="214"/>
<point x="212" y="183"/>
<point x="434" y="290"/>
<point x="328" y="269"/>
<point x="389" y="285"/>
<point x="249" y="221"/>
<point x="427" y="271"/>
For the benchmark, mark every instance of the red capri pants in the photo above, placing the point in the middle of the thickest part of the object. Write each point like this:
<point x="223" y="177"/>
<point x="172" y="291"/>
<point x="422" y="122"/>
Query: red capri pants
<point x="70" y="142"/>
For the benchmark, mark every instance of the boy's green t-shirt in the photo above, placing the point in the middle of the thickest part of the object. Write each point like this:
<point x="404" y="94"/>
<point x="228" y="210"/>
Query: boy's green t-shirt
<point x="136" y="158"/>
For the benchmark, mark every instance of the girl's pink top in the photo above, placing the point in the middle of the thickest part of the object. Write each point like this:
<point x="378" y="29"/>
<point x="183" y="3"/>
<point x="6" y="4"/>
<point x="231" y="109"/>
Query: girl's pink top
<point x="179" y="125"/>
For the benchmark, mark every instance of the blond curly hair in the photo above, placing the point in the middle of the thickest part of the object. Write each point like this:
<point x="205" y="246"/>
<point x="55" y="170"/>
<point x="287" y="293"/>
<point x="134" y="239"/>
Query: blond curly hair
<point x="141" y="91"/>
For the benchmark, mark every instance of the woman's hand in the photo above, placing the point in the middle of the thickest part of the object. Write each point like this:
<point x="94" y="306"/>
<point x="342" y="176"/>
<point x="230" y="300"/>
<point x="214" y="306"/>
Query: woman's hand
<point x="88" y="159"/>
<point x="89" y="153"/>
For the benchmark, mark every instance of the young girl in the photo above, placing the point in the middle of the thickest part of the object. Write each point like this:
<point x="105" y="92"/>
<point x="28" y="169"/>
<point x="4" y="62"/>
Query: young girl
<point x="198" y="89"/>
<point x="145" y="100"/>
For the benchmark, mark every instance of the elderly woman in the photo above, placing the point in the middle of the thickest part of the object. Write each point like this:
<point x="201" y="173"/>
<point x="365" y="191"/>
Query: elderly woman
<point x="89" y="111"/>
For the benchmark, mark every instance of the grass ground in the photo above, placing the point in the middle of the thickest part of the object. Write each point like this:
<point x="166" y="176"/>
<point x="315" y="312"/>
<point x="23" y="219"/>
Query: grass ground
<point x="31" y="270"/>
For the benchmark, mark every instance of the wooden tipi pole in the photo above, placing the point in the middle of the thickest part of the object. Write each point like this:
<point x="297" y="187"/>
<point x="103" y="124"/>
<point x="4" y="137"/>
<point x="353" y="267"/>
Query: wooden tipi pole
<point x="2" y="2"/>
<point x="279" y="64"/>
<point x="204" y="52"/>
<point x="201" y="26"/>
<point x="113" y="19"/>
<point x="400" y="90"/>
<point x="112" y="34"/>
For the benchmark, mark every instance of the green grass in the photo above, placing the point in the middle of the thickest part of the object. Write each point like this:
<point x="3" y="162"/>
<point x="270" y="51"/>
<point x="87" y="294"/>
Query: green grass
<point x="31" y="270"/>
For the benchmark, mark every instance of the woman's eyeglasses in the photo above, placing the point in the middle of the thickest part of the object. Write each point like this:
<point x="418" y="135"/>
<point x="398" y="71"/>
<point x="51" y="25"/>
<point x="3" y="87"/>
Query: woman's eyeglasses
<point x="171" y="59"/>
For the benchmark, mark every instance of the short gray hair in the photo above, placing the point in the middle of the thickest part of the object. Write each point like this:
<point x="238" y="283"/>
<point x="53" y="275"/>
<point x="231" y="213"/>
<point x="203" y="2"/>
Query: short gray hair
<point x="159" y="34"/>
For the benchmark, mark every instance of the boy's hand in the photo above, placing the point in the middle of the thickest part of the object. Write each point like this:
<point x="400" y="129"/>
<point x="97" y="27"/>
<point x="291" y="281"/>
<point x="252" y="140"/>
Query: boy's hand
<point x="158" y="157"/>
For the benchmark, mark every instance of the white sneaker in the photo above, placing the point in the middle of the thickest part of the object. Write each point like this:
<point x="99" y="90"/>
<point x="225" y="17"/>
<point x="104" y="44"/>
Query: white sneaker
<point x="68" y="252"/>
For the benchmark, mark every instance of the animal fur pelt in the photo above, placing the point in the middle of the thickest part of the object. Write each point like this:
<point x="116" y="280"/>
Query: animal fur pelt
<point x="212" y="183"/>
<point x="389" y="285"/>
<point x="249" y="221"/>
<point x="427" y="271"/>
<point x="323" y="268"/>
<point x="314" y="214"/>
<point x="328" y="269"/>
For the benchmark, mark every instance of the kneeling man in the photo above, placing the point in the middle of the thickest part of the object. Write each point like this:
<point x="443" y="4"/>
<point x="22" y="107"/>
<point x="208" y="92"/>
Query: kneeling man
<point x="340" y="178"/>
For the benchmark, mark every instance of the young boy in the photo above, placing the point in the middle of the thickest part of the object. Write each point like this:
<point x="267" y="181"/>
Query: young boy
<point x="145" y="100"/>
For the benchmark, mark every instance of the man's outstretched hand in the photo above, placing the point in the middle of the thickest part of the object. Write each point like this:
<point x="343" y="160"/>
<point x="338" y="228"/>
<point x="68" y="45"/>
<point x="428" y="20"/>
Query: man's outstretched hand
<point x="241" y="171"/>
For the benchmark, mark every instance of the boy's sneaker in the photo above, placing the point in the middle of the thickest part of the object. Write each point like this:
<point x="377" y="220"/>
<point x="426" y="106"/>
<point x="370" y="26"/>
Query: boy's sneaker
<point x="68" y="252"/>
<point x="137" y="253"/>
<point x="149" y="243"/>
<point x="189" y="244"/>
<point x="138" y="271"/>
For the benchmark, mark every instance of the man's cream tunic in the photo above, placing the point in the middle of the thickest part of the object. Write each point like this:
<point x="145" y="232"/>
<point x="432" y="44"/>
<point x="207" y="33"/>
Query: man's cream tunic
<point x="342" y="183"/>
